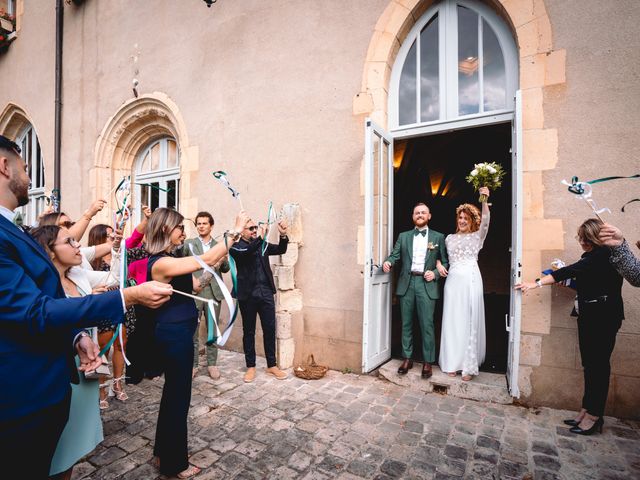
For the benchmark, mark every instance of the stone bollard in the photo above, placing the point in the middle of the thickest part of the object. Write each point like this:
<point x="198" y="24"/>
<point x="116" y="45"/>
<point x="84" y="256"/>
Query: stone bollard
<point x="288" y="298"/>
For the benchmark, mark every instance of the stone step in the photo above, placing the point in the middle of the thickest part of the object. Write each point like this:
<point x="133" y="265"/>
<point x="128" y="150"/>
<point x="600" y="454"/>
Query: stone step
<point x="486" y="387"/>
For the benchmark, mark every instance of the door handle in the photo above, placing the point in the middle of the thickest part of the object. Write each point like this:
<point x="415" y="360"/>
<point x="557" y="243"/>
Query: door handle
<point x="506" y="322"/>
<point x="374" y="265"/>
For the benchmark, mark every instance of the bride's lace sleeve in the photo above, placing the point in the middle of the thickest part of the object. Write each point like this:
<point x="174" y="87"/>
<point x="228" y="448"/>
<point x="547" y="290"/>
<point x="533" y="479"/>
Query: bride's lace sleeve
<point x="484" y="227"/>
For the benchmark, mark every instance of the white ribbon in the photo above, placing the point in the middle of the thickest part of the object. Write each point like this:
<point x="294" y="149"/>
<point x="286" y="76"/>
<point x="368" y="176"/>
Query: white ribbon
<point x="586" y="196"/>
<point x="222" y="339"/>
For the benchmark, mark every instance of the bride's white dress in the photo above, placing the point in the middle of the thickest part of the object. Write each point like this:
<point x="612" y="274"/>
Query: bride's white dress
<point x="463" y="340"/>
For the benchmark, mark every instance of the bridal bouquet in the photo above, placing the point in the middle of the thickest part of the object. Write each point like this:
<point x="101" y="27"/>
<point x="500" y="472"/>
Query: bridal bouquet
<point x="486" y="175"/>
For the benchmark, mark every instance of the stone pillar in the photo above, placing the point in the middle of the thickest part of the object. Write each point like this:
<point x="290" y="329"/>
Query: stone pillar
<point x="288" y="297"/>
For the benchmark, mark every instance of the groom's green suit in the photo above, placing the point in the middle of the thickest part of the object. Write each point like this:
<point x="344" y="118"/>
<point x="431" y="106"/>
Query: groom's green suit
<point x="416" y="294"/>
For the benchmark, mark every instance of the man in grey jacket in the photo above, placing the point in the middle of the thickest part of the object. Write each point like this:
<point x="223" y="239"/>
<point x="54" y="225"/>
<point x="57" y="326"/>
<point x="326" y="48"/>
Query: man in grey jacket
<point x="210" y="289"/>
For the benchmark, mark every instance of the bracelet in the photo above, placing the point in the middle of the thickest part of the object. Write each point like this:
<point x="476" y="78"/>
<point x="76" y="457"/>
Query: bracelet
<point x="539" y="283"/>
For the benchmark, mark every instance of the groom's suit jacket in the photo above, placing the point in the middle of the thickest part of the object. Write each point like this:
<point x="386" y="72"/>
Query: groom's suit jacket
<point x="38" y="324"/>
<point x="403" y="251"/>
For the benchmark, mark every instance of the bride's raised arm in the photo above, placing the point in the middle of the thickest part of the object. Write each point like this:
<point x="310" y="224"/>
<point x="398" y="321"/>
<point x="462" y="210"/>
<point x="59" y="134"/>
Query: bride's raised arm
<point x="484" y="222"/>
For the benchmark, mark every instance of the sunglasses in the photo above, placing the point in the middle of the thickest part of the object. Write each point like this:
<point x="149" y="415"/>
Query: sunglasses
<point x="252" y="229"/>
<point x="67" y="224"/>
<point x="180" y="227"/>
<point x="69" y="241"/>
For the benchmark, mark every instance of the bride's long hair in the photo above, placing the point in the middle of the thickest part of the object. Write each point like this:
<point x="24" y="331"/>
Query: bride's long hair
<point x="473" y="213"/>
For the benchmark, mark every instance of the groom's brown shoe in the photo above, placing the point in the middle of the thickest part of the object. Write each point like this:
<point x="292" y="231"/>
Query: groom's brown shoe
<point x="405" y="367"/>
<point x="426" y="370"/>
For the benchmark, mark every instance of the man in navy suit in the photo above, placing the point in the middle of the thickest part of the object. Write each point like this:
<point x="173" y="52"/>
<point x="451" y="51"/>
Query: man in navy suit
<point x="40" y="330"/>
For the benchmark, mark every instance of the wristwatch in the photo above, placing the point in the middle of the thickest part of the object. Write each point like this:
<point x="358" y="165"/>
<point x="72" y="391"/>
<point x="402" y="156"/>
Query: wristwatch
<point x="233" y="234"/>
<point x="83" y="333"/>
<point x="539" y="283"/>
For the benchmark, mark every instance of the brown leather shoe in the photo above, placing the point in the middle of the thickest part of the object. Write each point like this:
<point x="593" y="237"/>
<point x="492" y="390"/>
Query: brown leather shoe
<point x="426" y="370"/>
<point x="405" y="367"/>
<point x="250" y="375"/>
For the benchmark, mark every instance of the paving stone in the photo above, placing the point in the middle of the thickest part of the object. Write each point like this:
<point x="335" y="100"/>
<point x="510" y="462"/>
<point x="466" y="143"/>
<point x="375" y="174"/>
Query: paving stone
<point x="393" y="468"/>
<point x="204" y="458"/>
<point x="300" y="461"/>
<point x="82" y="470"/>
<point x="354" y="427"/>
<point x="544" y="461"/>
<point x="488" y="442"/>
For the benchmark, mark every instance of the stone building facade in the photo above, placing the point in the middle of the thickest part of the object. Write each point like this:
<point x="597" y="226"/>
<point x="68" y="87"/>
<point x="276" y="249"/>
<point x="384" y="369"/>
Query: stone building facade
<point x="277" y="95"/>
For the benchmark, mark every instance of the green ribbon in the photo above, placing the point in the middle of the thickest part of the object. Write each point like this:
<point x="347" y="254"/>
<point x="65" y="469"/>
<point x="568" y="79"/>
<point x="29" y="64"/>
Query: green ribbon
<point x="630" y="201"/>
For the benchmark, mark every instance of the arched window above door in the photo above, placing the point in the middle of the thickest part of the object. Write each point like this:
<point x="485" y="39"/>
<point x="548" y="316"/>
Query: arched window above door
<point x="459" y="60"/>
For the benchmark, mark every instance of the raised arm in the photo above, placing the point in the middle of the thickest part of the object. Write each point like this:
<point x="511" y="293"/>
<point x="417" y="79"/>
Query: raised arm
<point x="484" y="222"/>
<point x="168" y="267"/>
<point x="77" y="230"/>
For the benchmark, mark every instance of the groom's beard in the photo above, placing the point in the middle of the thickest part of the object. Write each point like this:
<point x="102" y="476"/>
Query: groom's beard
<point x="421" y="223"/>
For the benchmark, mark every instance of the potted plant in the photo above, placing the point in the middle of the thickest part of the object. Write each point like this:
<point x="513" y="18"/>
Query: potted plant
<point x="7" y="22"/>
<point x="7" y="29"/>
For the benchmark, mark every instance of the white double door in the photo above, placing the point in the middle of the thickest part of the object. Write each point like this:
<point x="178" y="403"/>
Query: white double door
<point x="378" y="242"/>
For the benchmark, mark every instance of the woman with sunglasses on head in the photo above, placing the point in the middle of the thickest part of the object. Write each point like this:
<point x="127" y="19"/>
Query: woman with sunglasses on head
<point x="176" y="323"/>
<point x="83" y="431"/>
<point x="600" y="312"/>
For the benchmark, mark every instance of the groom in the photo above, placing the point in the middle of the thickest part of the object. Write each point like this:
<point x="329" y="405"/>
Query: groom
<point x="418" y="288"/>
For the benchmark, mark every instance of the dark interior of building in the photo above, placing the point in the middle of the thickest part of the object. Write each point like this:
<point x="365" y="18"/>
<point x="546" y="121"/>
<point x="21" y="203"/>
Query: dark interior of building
<point x="432" y="169"/>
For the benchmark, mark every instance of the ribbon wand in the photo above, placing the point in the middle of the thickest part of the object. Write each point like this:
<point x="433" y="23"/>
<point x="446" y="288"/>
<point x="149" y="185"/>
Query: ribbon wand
<point x="222" y="178"/>
<point x="584" y="191"/>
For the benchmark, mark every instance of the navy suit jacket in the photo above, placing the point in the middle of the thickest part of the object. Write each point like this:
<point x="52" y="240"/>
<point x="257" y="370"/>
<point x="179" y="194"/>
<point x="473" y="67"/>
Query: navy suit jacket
<point x="38" y="324"/>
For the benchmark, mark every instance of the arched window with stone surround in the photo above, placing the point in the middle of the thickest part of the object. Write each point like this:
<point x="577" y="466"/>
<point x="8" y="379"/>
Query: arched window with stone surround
<point x="459" y="60"/>
<point x="157" y="175"/>
<point x="32" y="155"/>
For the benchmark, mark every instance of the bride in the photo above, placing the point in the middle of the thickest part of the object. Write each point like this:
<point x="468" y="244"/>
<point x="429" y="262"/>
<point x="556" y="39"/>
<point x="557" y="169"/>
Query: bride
<point x="462" y="344"/>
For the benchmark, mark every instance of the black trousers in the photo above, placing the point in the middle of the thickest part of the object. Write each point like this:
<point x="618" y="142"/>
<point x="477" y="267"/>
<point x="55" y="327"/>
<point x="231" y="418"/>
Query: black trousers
<point x="33" y="439"/>
<point x="266" y="308"/>
<point x="597" y="337"/>
<point x="175" y="346"/>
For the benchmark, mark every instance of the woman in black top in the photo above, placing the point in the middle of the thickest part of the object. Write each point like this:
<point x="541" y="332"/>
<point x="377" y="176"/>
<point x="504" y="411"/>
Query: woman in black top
<point x="176" y="323"/>
<point x="600" y="314"/>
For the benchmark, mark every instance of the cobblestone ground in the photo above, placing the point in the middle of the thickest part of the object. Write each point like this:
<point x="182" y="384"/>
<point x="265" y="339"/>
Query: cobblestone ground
<point x="351" y="427"/>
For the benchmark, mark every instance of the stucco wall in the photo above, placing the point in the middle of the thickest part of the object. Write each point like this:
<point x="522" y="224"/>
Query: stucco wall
<point x="265" y="90"/>
<point x="596" y="114"/>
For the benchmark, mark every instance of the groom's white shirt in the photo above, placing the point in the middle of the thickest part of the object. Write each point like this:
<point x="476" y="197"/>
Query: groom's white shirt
<point x="419" y="255"/>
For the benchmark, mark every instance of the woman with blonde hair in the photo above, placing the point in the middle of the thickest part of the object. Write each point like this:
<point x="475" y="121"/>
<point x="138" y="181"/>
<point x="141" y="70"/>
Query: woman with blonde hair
<point x="600" y="312"/>
<point x="462" y="343"/>
<point x="175" y="325"/>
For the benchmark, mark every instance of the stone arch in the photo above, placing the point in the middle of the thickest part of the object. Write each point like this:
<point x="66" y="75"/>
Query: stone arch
<point x="13" y="120"/>
<point x="540" y="66"/>
<point x="138" y="122"/>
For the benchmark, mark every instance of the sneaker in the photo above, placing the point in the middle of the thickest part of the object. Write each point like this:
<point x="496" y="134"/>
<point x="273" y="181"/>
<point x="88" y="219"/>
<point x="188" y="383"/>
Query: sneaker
<point x="250" y="375"/>
<point x="276" y="372"/>
<point x="214" y="373"/>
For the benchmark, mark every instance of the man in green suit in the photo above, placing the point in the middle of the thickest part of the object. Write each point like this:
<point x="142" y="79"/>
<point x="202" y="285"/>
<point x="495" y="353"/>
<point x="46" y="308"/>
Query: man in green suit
<point x="202" y="243"/>
<point x="418" y="284"/>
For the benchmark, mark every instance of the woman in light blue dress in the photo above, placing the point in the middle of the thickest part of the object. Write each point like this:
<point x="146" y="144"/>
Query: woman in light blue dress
<point x="83" y="431"/>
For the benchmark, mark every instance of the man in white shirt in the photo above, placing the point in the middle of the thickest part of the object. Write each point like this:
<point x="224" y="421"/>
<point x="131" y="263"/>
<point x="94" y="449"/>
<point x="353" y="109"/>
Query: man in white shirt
<point x="418" y="284"/>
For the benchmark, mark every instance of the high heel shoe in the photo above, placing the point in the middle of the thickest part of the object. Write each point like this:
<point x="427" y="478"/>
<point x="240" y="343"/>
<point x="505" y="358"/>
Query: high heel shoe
<point x="596" y="426"/>
<point x="571" y="422"/>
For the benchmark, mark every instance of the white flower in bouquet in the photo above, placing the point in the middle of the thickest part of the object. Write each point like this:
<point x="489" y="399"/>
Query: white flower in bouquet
<point x="486" y="175"/>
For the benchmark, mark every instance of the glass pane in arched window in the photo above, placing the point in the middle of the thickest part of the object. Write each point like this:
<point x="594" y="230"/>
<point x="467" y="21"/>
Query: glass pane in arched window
<point x="407" y="89"/>
<point x="494" y="75"/>
<point x="172" y="154"/>
<point x="155" y="156"/>
<point x="468" y="80"/>
<point x="429" y="72"/>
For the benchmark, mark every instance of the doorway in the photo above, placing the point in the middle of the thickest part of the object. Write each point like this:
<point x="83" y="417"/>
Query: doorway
<point x="432" y="169"/>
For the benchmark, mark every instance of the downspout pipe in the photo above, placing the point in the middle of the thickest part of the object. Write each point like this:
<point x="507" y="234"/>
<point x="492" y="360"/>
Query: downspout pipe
<point x="58" y="94"/>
